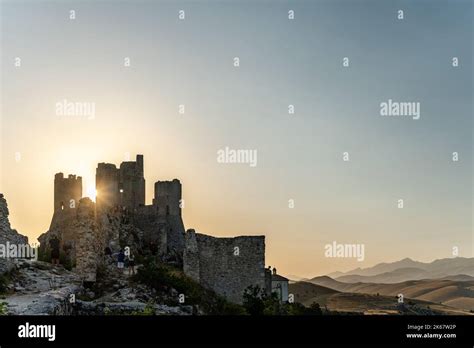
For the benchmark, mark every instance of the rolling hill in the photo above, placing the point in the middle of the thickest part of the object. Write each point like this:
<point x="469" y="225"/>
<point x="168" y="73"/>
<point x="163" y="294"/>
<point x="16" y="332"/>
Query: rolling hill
<point x="307" y="293"/>
<point x="444" y="282"/>
<point x="458" y="294"/>
<point x="361" y="303"/>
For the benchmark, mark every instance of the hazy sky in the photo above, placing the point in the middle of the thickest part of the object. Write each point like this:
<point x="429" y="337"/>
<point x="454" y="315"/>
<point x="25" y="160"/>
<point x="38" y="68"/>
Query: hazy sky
<point x="300" y="156"/>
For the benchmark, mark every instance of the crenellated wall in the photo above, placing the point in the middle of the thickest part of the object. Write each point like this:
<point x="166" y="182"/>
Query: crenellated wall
<point x="124" y="186"/>
<point x="168" y="197"/>
<point x="67" y="191"/>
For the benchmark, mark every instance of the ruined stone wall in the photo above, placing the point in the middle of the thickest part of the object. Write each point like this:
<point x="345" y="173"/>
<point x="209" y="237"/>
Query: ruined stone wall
<point x="226" y="265"/>
<point x="82" y="242"/>
<point x="90" y="241"/>
<point x="154" y="227"/>
<point x="175" y="234"/>
<point x="7" y="234"/>
<point x="67" y="191"/>
<point x="165" y="232"/>
<point x="62" y="228"/>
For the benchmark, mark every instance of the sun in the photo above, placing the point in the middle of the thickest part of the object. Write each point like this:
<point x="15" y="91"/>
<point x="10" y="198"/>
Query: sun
<point x="91" y="192"/>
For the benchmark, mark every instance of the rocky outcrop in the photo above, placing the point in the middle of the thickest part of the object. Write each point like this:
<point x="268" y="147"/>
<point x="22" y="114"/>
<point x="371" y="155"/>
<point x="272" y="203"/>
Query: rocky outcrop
<point x="129" y="308"/>
<point x="7" y="234"/>
<point x="38" y="288"/>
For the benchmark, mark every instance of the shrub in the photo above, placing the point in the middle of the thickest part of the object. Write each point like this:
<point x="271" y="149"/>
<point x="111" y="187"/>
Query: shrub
<point x="3" y="308"/>
<point x="3" y="283"/>
<point x="44" y="255"/>
<point x="163" y="278"/>
<point x="148" y="310"/>
<point x="315" y="309"/>
<point x="254" y="300"/>
<point x="299" y="309"/>
<point x="6" y="279"/>
<point x="257" y="302"/>
<point x="296" y="309"/>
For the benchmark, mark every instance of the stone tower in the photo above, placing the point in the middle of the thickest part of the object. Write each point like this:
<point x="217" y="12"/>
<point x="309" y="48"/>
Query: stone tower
<point x="167" y="203"/>
<point x="67" y="191"/>
<point x="124" y="186"/>
<point x="107" y="186"/>
<point x="168" y="197"/>
<point x="132" y="183"/>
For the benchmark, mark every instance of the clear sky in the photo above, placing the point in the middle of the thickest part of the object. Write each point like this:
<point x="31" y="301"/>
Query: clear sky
<point x="300" y="156"/>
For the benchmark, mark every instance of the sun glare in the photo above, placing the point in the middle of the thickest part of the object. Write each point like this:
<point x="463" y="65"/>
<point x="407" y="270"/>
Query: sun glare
<point x="91" y="192"/>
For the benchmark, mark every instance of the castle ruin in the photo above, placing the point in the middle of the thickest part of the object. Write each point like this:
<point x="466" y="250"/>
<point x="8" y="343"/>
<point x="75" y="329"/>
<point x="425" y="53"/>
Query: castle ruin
<point x="120" y="218"/>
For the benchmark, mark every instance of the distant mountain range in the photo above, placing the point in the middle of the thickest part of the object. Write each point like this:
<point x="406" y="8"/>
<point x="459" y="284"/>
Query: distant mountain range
<point x="446" y="282"/>
<point x="446" y="285"/>
<point x="459" y="268"/>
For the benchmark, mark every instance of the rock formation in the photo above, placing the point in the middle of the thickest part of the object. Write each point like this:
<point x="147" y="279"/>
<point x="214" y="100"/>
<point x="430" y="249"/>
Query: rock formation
<point x="7" y="234"/>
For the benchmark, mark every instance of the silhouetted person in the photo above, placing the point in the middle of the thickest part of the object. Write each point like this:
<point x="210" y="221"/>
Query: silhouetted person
<point x="153" y="248"/>
<point x="131" y="264"/>
<point x="120" y="259"/>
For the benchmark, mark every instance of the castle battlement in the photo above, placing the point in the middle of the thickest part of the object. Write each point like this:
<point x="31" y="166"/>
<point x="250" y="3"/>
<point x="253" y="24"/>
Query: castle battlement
<point x="123" y="186"/>
<point x="168" y="197"/>
<point x="67" y="191"/>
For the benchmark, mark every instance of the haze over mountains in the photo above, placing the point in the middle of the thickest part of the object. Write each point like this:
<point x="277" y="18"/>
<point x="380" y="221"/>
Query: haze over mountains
<point x="459" y="268"/>
<point x="446" y="282"/>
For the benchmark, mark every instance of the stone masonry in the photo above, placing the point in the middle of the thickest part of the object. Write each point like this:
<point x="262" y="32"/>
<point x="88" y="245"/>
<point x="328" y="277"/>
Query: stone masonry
<point x="226" y="265"/>
<point x="90" y="241"/>
<point x="67" y="191"/>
